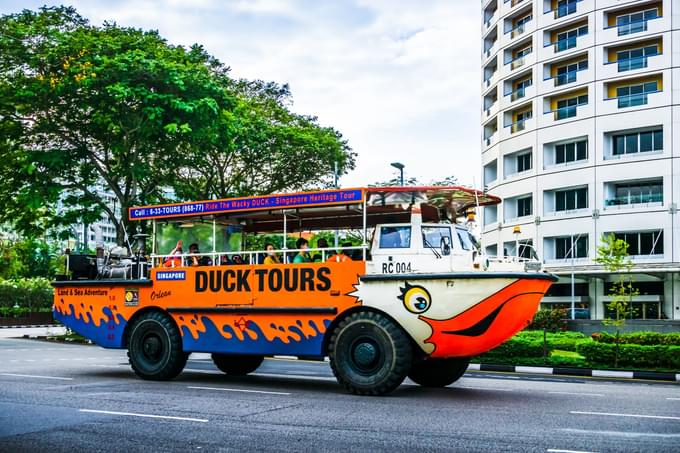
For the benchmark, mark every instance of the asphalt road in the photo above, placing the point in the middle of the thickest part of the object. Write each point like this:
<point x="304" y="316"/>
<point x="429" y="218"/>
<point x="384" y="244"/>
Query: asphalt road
<point x="62" y="397"/>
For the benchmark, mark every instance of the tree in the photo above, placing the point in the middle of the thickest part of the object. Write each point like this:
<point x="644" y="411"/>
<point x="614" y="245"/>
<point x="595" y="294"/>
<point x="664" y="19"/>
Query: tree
<point x="82" y="105"/>
<point x="412" y="181"/>
<point x="612" y="254"/>
<point x="266" y="149"/>
<point x="549" y="320"/>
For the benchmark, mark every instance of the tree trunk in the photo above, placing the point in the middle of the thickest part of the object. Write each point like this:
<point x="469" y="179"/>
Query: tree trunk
<point x="545" y="345"/>
<point x="616" y="350"/>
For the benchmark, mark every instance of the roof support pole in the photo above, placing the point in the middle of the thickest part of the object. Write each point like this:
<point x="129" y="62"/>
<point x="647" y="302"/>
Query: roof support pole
<point x="364" y="215"/>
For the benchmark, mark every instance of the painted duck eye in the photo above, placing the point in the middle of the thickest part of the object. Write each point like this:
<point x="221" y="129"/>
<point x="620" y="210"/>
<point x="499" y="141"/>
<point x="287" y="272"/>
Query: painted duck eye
<point x="416" y="299"/>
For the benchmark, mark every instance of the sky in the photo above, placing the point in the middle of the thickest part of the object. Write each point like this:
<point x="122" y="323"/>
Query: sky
<point x="400" y="79"/>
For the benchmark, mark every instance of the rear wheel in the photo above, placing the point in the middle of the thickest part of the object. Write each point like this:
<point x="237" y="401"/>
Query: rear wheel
<point x="237" y="365"/>
<point x="438" y="372"/>
<point x="155" y="347"/>
<point x="369" y="354"/>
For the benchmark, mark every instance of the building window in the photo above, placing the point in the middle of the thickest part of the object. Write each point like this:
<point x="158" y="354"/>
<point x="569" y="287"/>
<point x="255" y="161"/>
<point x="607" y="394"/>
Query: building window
<point x="524" y="206"/>
<point x="633" y="95"/>
<point x="518" y="59"/>
<point x="636" y="193"/>
<point x="567" y="39"/>
<point x="520" y="120"/>
<point x="628" y="60"/>
<point x="635" y="22"/>
<point x="565" y="7"/>
<point x="490" y="214"/>
<point x="521" y="249"/>
<point x="571" y="199"/>
<point x="523" y="162"/>
<point x="564" y="249"/>
<point x="571" y="152"/>
<point x="520" y="25"/>
<point x="643" y="243"/>
<point x="490" y="172"/>
<point x="566" y="108"/>
<point x="638" y="142"/>
<point x="520" y="89"/>
<point x="567" y="73"/>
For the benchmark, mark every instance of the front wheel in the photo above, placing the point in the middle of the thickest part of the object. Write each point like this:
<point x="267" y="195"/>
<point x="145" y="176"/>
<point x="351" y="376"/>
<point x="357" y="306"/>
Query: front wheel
<point x="438" y="372"/>
<point x="155" y="348"/>
<point x="369" y="354"/>
<point x="237" y="365"/>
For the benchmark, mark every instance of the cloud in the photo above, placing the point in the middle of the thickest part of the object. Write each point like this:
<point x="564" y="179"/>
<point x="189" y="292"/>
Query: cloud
<point x="399" y="78"/>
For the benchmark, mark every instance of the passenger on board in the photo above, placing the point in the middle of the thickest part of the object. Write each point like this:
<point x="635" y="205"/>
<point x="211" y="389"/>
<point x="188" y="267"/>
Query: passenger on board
<point x="303" y="255"/>
<point x="174" y="260"/>
<point x="340" y="257"/>
<point x="271" y="257"/>
<point x="195" y="260"/>
<point x="322" y="243"/>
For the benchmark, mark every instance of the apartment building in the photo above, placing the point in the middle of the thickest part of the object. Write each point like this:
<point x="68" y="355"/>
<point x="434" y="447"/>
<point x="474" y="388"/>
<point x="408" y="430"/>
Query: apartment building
<point x="580" y="124"/>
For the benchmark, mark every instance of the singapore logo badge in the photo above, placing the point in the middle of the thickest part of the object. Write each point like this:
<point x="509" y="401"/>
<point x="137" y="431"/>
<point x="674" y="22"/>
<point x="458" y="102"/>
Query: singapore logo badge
<point x="416" y="298"/>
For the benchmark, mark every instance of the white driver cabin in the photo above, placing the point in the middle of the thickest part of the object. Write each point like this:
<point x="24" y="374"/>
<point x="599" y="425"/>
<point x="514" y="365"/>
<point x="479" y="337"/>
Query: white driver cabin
<point x="414" y="247"/>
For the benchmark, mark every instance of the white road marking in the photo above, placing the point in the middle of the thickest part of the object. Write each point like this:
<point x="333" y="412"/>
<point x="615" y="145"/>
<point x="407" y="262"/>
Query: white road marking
<point x="222" y="389"/>
<point x="627" y="434"/>
<point x="673" y="399"/>
<point x="552" y="450"/>
<point x="37" y="377"/>
<point x="613" y="414"/>
<point x="496" y="389"/>
<point x="577" y="393"/>
<point x="132" y="414"/>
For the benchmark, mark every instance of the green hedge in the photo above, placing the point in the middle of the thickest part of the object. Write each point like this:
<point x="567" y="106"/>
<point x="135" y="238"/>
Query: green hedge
<point x="631" y="355"/>
<point x="36" y="293"/>
<point x="640" y="338"/>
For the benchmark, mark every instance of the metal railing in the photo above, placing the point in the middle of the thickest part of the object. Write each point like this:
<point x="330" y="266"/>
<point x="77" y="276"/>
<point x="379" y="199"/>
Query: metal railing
<point x="250" y="257"/>
<point x="634" y="199"/>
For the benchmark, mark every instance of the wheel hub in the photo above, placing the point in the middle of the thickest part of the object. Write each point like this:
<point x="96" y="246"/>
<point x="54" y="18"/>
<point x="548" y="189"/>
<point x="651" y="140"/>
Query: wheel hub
<point x="365" y="354"/>
<point x="152" y="347"/>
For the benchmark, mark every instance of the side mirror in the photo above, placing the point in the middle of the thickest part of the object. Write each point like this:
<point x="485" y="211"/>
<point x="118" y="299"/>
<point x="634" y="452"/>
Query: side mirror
<point x="445" y="246"/>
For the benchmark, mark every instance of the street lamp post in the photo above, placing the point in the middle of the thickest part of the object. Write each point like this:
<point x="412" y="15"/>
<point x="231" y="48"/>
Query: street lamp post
<point x="399" y="166"/>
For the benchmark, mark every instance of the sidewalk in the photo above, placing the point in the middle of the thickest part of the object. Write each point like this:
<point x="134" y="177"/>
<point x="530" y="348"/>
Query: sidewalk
<point x="20" y="332"/>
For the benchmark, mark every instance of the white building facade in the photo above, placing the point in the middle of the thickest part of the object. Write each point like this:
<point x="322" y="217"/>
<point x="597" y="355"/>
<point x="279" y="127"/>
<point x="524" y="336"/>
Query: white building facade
<point x="580" y="121"/>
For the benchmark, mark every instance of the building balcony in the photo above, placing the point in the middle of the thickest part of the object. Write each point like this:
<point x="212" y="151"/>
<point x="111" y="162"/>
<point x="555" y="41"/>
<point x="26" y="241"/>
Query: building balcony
<point x="616" y="68"/>
<point x="517" y="127"/>
<point x="567" y="46"/>
<point x="632" y="102"/>
<point x="566" y="114"/>
<point x="559" y="14"/>
<point x="513" y="65"/>
<point x="510" y="5"/>
<point x="612" y="33"/>
<point x="634" y="201"/>
<point x="490" y="111"/>
<point x="511" y="98"/>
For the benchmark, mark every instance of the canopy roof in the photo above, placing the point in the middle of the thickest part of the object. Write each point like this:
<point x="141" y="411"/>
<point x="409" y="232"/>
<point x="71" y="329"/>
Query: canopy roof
<point x="326" y="209"/>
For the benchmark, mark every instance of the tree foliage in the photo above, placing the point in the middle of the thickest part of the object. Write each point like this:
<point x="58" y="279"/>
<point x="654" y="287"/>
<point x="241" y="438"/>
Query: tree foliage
<point x="612" y="254"/>
<point x="83" y="106"/>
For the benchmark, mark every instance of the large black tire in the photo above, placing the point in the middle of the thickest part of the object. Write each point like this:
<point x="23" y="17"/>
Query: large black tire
<point x="155" y="347"/>
<point x="369" y="354"/>
<point x="237" y="365"/>
<point x="438" y="372"/>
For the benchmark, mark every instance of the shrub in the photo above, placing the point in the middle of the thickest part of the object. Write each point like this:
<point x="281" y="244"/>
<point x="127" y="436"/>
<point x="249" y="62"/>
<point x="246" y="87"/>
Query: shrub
<point x="631" y="355"/>
<point x="33" y="293"/>
<point x="640" y="338"/>
<point x="514" y="348"/>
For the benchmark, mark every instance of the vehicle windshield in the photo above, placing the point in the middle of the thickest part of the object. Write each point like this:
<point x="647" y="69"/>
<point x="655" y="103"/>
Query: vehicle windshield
<point x="465" y="239"/>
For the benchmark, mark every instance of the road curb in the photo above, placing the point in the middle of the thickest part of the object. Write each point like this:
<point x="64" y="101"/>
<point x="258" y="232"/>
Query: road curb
<point x="587" y="372"/>
<point x="30" y="326"/>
